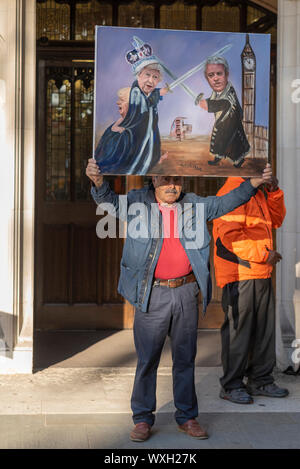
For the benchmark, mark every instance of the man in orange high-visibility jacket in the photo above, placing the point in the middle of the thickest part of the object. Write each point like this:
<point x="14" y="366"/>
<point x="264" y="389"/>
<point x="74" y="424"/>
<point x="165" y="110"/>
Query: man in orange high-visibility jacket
<point x="244" y="259"/>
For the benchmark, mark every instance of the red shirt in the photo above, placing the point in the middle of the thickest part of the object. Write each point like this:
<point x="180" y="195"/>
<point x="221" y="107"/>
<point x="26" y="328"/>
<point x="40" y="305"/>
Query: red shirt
<point x="173" y="261"/>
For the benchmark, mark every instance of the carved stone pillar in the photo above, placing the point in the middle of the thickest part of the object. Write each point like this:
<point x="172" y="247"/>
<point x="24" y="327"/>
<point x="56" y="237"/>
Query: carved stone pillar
<point x="17" y="141"/>
<point x="288" y="171"/>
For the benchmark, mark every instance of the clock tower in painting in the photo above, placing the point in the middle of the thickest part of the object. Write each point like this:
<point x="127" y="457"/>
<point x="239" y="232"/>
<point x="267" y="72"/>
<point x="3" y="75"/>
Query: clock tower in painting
<point x="248" y="92"/>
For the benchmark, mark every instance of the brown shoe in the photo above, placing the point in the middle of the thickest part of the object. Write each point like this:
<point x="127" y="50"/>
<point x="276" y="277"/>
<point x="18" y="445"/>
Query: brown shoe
<point x="192" y="428"/>
<point x="141" y="432"/>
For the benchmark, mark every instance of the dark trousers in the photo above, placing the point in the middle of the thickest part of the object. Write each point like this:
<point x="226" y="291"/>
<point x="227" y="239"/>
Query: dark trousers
<point x="248" y="333"/>
<point x="172" y="311"/>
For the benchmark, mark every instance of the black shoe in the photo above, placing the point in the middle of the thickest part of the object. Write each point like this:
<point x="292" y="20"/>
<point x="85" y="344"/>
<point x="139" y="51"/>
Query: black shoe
<point x="215" y="161"/>
<point x="239" y="164"/>
<point x="268" y="390"/>
<point x="238" y="396"/>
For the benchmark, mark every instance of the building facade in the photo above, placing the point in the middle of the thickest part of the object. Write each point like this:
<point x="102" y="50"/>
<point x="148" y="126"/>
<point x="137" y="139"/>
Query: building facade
<point x="55" y="274"/>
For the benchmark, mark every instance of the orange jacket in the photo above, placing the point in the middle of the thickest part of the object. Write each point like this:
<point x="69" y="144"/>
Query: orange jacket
<point x="243" y="237"/>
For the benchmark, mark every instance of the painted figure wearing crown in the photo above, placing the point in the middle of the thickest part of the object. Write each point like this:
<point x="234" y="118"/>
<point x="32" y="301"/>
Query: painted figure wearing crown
<point x="135" y="147"/>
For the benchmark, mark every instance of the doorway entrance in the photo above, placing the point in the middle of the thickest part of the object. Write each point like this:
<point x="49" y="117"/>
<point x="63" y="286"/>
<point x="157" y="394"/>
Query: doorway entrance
<point x="76" y="273"/>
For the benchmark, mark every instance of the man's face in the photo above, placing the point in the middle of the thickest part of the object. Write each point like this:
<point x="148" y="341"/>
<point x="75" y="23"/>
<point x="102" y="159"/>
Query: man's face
<point x="123" y="106"/>
<point x="216" y="77"/>
<point x="167" y="188"/>
<point x="148" y="79"/>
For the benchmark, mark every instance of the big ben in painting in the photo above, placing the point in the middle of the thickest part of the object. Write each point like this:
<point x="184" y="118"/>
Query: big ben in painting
<point x="248" y="92"/>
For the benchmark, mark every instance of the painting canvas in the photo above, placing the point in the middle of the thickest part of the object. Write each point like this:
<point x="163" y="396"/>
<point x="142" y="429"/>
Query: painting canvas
<point x="190" y="103"/>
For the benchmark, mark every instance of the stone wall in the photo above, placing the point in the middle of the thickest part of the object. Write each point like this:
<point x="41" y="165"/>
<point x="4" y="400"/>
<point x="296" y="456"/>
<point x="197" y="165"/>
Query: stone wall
<point x="17" y="137"/>
<point x="288" y="172"/>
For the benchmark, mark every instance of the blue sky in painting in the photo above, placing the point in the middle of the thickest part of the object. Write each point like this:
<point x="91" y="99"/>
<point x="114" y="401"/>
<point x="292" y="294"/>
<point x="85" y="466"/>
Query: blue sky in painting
<point x="179" y="51"/>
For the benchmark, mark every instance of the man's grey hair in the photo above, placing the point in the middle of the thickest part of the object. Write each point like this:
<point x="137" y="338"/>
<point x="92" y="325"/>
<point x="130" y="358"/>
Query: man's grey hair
<point x="214" y="60"/>
<point x="155" y="66"/>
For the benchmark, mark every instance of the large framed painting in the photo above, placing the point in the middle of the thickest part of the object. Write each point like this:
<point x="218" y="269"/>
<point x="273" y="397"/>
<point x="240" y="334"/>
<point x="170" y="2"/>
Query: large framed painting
<point x="190" y="103"/>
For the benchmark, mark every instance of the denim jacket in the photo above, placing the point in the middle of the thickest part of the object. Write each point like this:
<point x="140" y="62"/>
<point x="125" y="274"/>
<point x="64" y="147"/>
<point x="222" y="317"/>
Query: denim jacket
<point x="141" y="253"/>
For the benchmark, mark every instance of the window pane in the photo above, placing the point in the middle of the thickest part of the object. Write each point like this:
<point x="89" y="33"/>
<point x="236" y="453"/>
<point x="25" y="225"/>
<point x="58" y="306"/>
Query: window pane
<point x="221" y="18"/>
<point x="83" y="142"/>
<point x="178" y="16"/>
<point x="253" y="14"/>
<point x="136" y="14"/>
<point x="53" y="20"/>
<point x="90" y="14"/>
<point x="58" y="140"/>
<point x="273" y="32"/>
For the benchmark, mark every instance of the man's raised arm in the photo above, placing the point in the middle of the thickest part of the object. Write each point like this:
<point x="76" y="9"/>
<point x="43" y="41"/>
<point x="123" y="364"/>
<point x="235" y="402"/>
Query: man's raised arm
<point x="218" y="206"/>
<point x="93" y="172"/>
<point x="101" y="191"/>
<point x="265" y="178"/>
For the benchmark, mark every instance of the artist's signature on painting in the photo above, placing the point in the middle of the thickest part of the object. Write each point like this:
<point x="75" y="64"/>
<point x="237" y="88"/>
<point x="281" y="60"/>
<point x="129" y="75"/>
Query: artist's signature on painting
<point x="187" y="164"/>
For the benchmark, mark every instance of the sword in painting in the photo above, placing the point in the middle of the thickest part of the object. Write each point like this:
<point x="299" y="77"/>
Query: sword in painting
<point x="189" y="73"/>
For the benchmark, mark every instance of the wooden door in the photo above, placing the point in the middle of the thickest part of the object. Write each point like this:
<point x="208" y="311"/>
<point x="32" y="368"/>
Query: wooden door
<point x="76" y="272"/>
<point x="214" y="318"/>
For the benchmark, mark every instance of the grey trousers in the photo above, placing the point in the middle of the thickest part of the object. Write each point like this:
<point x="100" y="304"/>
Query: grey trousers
<point x="248" y="333"/>
<point x="173" y="312"/>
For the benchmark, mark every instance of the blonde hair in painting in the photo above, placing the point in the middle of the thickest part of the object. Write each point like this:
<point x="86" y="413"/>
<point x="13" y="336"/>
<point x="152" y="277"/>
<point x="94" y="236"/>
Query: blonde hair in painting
<point x="123" y="93"/>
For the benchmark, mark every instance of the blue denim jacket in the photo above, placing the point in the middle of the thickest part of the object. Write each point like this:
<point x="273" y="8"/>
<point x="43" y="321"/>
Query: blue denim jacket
<point x="140" y="254"/>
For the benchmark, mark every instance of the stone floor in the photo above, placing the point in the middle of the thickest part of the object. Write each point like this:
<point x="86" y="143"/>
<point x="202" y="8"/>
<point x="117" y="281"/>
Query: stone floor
<point x="90" y="408"/>
<point x="81" y="349"/>
<point x="80" y="398"/>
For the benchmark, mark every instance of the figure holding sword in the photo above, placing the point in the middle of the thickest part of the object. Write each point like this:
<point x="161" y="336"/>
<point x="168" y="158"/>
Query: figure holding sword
<point x="228" y="139"/>
<point x="134" y="147"/>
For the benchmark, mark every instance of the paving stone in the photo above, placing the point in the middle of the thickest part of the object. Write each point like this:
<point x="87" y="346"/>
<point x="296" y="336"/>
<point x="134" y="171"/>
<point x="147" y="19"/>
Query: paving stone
<point x="90" y="408"/>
